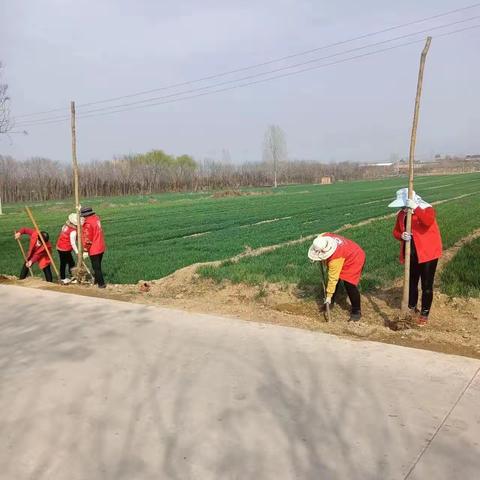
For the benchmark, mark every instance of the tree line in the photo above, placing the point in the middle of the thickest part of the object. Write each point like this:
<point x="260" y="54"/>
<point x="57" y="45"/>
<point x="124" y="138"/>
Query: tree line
<point x="40" y="179"/>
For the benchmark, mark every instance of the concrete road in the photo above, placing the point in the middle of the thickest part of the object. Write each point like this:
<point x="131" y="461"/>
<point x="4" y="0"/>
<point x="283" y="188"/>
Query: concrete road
<point x="97" y="389"/>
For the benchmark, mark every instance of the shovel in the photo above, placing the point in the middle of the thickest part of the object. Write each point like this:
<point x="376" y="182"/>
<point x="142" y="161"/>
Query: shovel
<point x="323" y="271"/>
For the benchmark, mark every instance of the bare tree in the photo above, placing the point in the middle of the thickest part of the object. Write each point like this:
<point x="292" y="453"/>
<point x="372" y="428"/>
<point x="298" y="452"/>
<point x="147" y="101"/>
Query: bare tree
<point x="274" y="149"/>
<point x="5" y="121"/>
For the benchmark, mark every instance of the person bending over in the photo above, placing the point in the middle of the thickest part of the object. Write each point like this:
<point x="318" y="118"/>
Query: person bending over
<point x="345" y="260"/>
<point x="36" y="253"/>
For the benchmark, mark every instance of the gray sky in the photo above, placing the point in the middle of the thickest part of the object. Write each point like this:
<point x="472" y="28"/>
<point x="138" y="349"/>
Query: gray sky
<point x="58" y="50"/>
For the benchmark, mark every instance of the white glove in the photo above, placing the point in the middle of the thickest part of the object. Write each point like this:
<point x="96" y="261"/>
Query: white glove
<point x="411" y="204"/>
<point x="406" y="236"/>
<point x="85" y="255"/>
<point x="328" y="301"/>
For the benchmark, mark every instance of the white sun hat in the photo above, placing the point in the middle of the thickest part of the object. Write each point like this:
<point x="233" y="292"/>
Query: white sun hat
<point x="402" y="196"/>
<point x="322" y="248"/>
<point x="72" y="218"/>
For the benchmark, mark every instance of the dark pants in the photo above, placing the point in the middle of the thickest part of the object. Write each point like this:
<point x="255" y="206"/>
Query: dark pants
<point x="426" y="273"/>
<point x="97" y="269"/>
<point x="47" y="271"/>
<point x="65" y="259"/>
<point x="353" y="294"/>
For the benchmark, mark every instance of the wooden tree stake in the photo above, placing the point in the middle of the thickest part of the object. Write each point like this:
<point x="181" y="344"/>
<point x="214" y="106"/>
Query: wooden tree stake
<point x="76" y="187"/>
<point x="40" y="236"/>
<point x="413" y="140"/>
<point x="23" y="253"/>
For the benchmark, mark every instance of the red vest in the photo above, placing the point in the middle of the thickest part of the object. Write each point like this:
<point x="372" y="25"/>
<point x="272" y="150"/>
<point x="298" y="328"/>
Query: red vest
<point x="63" y="242"/>
<point x="354" y="258"/>
<point x="92" y="235"/>
<point x="35" y="253"/>
<point x="425" y="232"/>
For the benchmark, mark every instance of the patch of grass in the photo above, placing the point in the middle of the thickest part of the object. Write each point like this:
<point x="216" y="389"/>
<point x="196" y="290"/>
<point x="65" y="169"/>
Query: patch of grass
<point x="149" y="236"/>
<point x="461" y="276"/>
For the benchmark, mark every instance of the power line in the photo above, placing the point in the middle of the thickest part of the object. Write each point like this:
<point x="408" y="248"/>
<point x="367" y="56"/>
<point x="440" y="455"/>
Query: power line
<point x="262" y="64"/>
<point x="264" y="80"/>
<point x="153" y="101"/>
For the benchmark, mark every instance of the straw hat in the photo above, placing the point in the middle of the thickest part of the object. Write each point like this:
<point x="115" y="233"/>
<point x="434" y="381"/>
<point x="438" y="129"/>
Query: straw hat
<point x="402" y="197"/>
<point x="323" y="247"/>
<point x="72" y="218"/>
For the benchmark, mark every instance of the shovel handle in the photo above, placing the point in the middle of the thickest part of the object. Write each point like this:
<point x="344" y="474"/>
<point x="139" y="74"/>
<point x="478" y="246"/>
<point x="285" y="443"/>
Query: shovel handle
<point x="327" y="309"/>
<point x="23" y="252"/>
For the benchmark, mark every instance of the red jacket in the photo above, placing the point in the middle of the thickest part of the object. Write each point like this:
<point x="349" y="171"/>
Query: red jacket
<point x="425" y="232"/>
<point x="63" y="242"/>
<point x="92" y="235"/>
<point x="36" y="253"/>
<point x="353" y="259"/>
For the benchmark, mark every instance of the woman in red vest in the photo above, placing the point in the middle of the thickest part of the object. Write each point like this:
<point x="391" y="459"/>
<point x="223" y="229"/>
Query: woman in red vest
<point x="345" y="260"/>
<point x="426" y="249"/>
<point x="66" y="243"/>
<point x="93" y="242"/>
<point x="36" y="253"/>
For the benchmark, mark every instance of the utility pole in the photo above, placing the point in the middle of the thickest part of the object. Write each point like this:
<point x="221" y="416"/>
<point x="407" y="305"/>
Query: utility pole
<point x="76" y="186"/>
<point x="413" y="140"/>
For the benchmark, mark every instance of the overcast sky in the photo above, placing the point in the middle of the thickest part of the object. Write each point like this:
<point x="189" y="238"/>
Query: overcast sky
<point x="55" y="51"/>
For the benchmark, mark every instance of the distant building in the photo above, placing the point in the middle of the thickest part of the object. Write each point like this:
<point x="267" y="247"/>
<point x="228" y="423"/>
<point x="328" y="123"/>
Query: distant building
<point x="326" y="180"/>
<point x="382" y="164"/>
<point x="473" y="157"/>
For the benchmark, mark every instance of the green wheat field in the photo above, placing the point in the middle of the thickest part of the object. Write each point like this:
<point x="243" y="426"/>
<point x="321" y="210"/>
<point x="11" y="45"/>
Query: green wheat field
<point x="151" y="236"/>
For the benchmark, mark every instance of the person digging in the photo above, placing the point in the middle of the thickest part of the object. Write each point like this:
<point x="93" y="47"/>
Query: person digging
<point x="66" y="243"/>
<point x="426" y="249"/>
<point x="93" y="242"/>
<point x="36" y="253"/>
<point x="344" y="260"/>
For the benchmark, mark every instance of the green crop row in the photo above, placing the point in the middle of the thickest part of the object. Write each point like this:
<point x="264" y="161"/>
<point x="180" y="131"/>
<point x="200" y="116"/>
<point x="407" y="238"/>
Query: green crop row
<point x="151" y="236"/>
<point x="461" y="276"/>
<point x="290" y="264"/>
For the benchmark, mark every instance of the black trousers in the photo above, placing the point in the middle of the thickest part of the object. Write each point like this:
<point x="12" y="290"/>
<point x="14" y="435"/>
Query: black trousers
<point x="97" y="268"/>
<point x="353" y="295"/>
<point x="47" y="271"/>
<point x="426" y="273"/>
<point x="65" y="259"/>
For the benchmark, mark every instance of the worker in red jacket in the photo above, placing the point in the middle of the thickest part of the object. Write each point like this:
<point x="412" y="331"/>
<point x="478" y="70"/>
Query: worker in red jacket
<point x="66" y="243"/>
<point x="93" y="242"/>
<point x="36" y="253"/>
<point x="345" y="260"/>
<point x="426" y="249"/>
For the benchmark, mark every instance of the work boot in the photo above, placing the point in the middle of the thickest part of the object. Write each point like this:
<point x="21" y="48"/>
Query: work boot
<point x="355" y="317"/>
